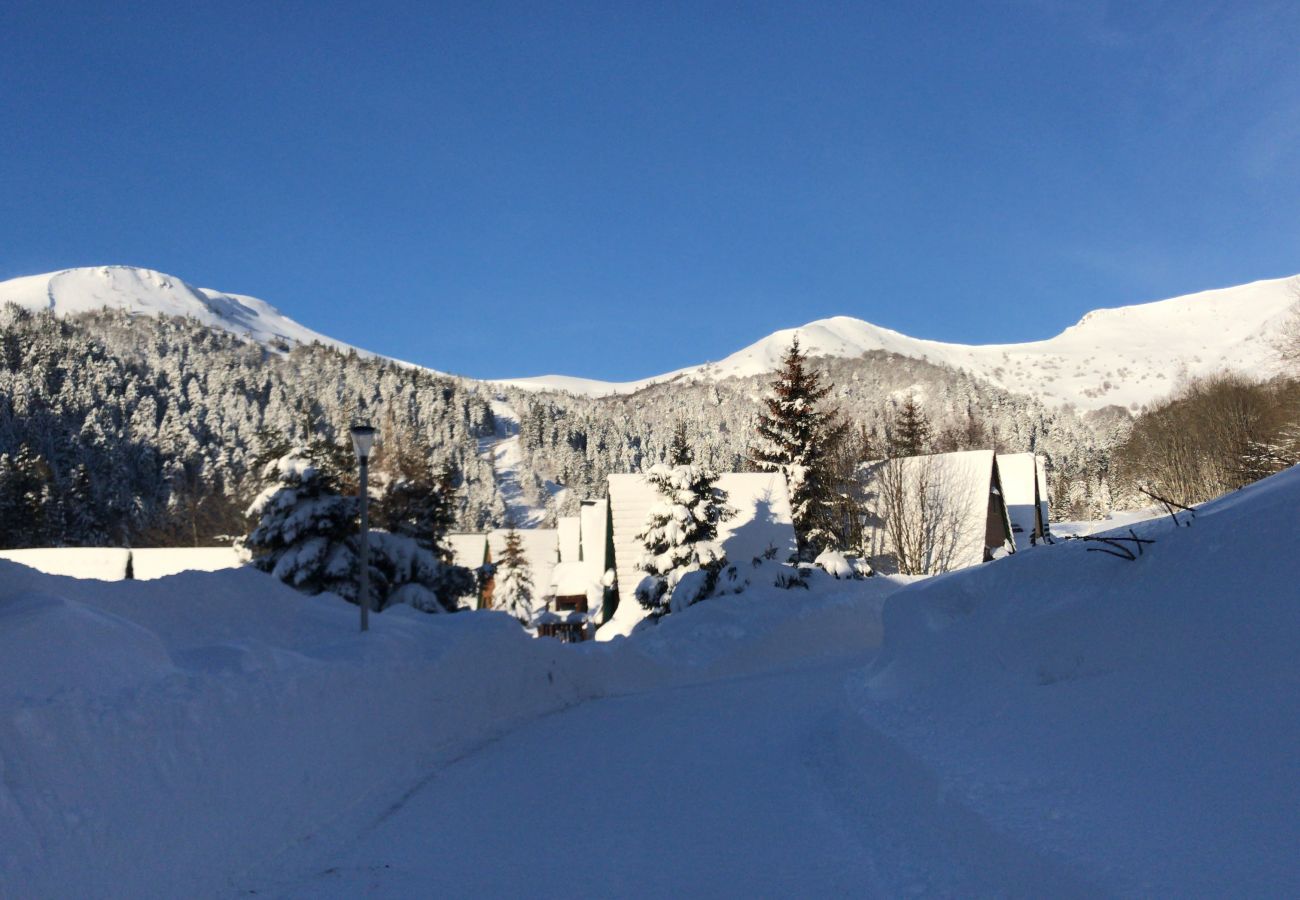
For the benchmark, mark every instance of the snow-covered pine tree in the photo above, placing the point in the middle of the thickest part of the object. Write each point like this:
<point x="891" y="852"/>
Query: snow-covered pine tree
<point x="679" y="451"/>
<point x="909" y="433"/>
<point x="682" y="557"/>
<point x="305" y="529"/>
<point x="795" y="438"/>
<point x="513" y="592"/>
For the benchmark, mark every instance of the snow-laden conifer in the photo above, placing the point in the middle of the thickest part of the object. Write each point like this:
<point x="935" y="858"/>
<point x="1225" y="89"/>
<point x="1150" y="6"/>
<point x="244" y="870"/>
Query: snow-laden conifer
<point x="795" y="437"/>
<point x="513" y="591"/>
<point x="682" y="557"/>
<point x="305" y="529"/>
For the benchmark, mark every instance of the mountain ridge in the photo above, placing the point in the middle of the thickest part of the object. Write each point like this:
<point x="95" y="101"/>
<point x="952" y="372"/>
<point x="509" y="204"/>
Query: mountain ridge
<point x="1124" y="356"/>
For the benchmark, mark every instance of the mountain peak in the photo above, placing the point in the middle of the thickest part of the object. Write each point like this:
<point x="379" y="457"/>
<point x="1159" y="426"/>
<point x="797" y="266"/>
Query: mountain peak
<point x="142" y="291"/>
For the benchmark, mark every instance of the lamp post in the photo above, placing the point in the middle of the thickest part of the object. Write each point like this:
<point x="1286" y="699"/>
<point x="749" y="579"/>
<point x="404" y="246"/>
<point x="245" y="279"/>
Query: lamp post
<point x="363" y="438"/>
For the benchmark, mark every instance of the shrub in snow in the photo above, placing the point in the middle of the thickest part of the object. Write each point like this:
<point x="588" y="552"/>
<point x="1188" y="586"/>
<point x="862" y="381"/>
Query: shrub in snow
<point x="835" y="564"/>
<point x="682" y="557"/>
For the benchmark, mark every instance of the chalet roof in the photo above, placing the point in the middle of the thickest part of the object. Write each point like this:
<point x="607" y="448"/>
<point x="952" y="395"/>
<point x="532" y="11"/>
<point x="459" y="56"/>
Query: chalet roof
<point x="594" y="515"/>
<point x="761" y="520"/>
<point x="541" y="549"/>
<point x="962" y="482"/>
<point x="468" y="549"/>
<point x="574" y="578"/>
<point x="1020" y="491"/>
<point x="1041" y="469"/>
<point x="570" y="537"/>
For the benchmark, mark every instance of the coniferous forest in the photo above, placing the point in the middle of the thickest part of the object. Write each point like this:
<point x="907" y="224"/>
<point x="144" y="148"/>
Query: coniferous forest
<point x="132" y="430"/>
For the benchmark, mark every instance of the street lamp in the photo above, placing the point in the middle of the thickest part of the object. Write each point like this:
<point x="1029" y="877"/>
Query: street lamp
<point x="363" y="438"/>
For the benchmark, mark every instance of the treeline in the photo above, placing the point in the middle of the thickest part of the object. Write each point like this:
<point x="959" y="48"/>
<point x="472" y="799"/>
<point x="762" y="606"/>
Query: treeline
<point x="577" y="441"/>
<point x="126" y="430"/>
<point x="1213" y="436"/>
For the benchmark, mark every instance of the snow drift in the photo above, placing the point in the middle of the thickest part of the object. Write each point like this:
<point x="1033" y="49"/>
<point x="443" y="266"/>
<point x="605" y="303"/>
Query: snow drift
<point x="1137" y="720"/>
<point x="162" y="738"/>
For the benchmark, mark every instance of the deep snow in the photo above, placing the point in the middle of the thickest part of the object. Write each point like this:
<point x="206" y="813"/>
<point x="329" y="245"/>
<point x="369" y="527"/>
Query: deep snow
<point x="1059" y="722"/>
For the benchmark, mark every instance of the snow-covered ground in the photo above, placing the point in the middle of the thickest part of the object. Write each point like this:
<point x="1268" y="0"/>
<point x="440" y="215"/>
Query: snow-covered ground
<point x="1056" y="723"/>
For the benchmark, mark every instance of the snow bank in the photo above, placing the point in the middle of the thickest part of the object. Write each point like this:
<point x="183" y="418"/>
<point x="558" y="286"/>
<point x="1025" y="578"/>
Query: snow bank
<point x="164" y="738"/>
<point x="103" y="563"/>
<point x="1136" y="722"/>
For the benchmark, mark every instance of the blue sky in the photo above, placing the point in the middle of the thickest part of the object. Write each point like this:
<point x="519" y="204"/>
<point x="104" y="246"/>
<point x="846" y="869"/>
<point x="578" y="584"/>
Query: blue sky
<point x="617" y="189"/>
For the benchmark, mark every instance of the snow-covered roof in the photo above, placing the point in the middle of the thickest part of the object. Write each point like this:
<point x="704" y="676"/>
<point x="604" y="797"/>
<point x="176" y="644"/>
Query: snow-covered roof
<point x="574" y="579"/>
<point x="541" y="549"/>
<point x="595" y="533"/>
<point x="761" y="519"/>
<point x="102" y="563"/>
<point x="570" y="536"/>
<point x="109" y="563"/>
<point x="1020" y="491"/>
<point x="468" y="549"/>
<point x="959" y="486"/>
<point x="159" y="562"/>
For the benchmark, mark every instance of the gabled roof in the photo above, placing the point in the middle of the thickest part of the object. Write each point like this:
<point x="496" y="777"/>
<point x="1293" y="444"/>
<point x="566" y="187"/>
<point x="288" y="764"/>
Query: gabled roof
<point x="468" y="549"/>
<point x="570" y="536"/>
<point x="541" y="549"/>
<point x="1020" y="491"/>
<point x="761" y="520"/>
<point x="958" y="486"/>
<point x="595" y="533"/>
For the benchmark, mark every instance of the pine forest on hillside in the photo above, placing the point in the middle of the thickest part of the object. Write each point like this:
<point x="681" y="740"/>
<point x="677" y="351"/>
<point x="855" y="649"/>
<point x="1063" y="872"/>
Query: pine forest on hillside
<point x="119" y="429"/>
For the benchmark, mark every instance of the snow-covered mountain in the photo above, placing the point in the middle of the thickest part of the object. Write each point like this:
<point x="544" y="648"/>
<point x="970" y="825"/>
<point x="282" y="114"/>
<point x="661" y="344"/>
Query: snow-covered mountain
<point x="146" y="292"/>
<point x="1124" y="356"/>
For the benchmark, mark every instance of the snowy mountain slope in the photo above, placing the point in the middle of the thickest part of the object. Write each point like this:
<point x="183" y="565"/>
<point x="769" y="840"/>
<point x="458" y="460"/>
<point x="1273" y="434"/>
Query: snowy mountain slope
<point x="146" y="292"/>
<point x="1125" y="356"/>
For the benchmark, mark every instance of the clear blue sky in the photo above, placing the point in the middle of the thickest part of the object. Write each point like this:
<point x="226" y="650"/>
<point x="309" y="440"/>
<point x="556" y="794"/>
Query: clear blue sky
<point x="617" y="189"/>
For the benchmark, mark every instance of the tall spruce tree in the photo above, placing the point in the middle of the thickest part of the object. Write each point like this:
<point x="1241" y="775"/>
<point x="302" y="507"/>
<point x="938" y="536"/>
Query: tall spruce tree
<point x="679" y="450"/>
<point x="514" y="592"/>
<point x="909" y="432"/>
<point x="680" y="538"/>
<point x="796" y="438"/>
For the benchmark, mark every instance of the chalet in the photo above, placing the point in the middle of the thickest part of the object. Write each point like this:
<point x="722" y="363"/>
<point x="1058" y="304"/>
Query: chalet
<point x="936" y="513"/>
<point x="471" y="551"/>
<point x="761" y="525"/>
<point x="1024" y="486"/>
<point x="579" y="597"/>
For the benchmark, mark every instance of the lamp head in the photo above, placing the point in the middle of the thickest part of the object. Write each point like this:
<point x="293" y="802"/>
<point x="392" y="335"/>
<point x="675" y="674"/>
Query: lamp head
<point x="363" y="438"/>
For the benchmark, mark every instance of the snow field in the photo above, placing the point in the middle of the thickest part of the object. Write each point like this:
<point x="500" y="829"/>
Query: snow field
<point x="163" y="738"/>
<point x="1136" y="722"/>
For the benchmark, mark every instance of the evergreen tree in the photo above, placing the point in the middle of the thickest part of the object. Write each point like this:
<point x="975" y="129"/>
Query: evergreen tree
<point x="513" y="592"/>
<point x="909" y="432"/>
<point x="796" y="438"/>
<point x="682" y="558"/>
<point x="305" y="530"/>
<point x="679" y="451"/>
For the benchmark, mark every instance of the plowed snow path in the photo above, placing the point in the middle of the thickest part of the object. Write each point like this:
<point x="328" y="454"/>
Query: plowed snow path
<point x="769" y="785"/>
